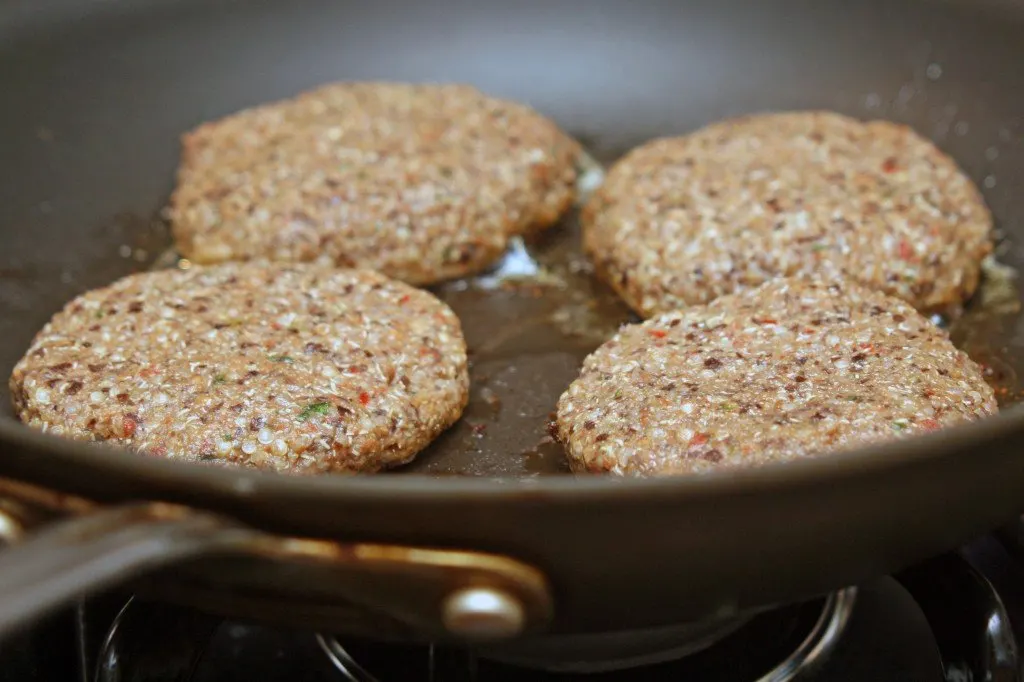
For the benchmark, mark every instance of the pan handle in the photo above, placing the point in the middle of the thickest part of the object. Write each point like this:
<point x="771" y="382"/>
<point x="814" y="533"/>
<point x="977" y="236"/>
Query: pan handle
<point x="87" y="553"/>
<point x="436" y="593"/>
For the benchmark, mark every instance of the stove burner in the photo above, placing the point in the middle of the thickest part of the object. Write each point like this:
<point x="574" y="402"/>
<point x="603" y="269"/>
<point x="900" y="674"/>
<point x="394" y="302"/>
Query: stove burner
<point x="821" y="640"/>
<point x="966" y="635"/>
<point x="815" y="647"/>
<point x="347" y="665"/>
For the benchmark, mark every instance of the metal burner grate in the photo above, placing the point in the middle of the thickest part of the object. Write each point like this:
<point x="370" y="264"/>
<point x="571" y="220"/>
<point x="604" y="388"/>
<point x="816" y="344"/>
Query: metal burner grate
<point x="812" y="650"/>
<point x="963" y="632"/>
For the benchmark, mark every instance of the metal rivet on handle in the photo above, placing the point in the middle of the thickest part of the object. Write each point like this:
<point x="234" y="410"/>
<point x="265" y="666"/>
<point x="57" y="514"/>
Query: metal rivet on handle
<point x="483" y="613"/>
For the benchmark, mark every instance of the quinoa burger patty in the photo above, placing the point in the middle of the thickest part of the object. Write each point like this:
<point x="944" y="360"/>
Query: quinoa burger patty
<point x="294" y="368"/>
<point x="680" y="221"/>
<point x="421" y="182"/>
<point x="794" y="368"/>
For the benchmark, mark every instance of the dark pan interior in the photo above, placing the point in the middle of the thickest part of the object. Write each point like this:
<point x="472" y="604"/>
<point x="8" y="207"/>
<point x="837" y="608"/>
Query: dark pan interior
<point x="92" y="110"/>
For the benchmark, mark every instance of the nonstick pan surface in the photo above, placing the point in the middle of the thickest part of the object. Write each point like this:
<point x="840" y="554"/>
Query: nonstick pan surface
<point x="95" y="96"/>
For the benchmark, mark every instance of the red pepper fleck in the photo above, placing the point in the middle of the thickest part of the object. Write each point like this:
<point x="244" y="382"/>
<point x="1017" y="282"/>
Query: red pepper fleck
<point x="657" y="333"/>
<point x="540" y="172"/>
<point x="432" y="352"/>
<point x="699" y="439"/>
<point x="364" y="398"/>
<point x="906" y="250"/>
<point x="404" y="299"/>
<point x="766" y="320"/>
<point x="930" y="424"/>
<point x="128" y="425"/>
<point x="889" y="165"/>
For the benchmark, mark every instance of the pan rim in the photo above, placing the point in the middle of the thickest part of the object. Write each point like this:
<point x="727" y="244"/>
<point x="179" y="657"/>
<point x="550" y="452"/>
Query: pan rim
<point x="180" y="478"/>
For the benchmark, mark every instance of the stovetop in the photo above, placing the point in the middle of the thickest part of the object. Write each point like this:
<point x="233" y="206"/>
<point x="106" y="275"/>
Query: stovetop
<point x="946" y="619"/>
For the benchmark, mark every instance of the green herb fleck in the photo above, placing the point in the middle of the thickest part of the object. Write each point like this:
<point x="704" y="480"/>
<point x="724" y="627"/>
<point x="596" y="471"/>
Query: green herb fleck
<point x="618" y="394"/>
<point x="316" y="408"/>
<point x="99" y="313"/>
<point x="451" y="254"/>
<point x="228" y="436"/>
<point x="728" y="407"/>
<point x="282" y="358"/>
<point x="899" y="424"/>
<point x="819" y="247"/>
<point x="853" y="398"/>
<point x="219" y="379"/>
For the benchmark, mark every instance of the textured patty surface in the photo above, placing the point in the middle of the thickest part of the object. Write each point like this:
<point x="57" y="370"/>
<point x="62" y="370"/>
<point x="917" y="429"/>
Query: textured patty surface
<point x="680" y="221"/>
<point x="420" y="182"/>
<point x="792" y="369"/>
<point x="296" y="368"/>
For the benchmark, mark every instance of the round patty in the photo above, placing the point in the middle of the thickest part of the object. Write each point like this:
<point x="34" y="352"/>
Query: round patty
<point x="421" y="182"/>
<point x="680" y="221"/>
<point x="792" y="369"/>
<point x="295" y="368"/>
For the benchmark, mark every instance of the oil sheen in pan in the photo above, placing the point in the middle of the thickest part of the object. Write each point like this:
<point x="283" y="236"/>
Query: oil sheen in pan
<point x="531" y="321"/>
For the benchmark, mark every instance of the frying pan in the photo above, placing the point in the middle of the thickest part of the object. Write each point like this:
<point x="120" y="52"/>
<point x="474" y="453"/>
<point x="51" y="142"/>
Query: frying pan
<point x="485" y="537"/>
